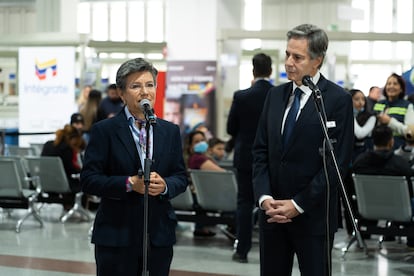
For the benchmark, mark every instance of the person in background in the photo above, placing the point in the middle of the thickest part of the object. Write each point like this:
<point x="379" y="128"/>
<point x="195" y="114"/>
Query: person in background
<point x="374" y="95"/>
<point x="68" y="145"/>
<point x="83" y="96"/>
<point x="364" y="123"/>
<point x="196" y="147"/>
<point x="242" y="122"/>
<point x="202" y="126"/>
<point x="76" y="120"/>
<point x="111" y="104"/>
<point x="215" y="149"/>
<point x="394" y="111"/>
<point x="290" y="175"/>
<point x="90" y="111"/>
<point x="196" y="155"/>
<point x="114" y="156"/>
<point x="383" y="161"/>
<point x="407" y="151"/>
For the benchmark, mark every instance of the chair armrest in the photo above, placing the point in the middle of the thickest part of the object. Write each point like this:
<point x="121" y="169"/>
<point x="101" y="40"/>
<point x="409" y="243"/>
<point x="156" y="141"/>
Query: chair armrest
<point x="36" y="182"/>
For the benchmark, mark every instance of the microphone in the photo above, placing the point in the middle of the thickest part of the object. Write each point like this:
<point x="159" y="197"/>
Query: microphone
<point x="147" y="109"/>
<point x="307" y="81"/>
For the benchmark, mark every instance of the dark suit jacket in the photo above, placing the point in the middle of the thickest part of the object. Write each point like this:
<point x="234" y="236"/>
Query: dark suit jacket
<point x="111" y="156"/>
<point x="244" y="115"/>
<point x="296" y="171"/>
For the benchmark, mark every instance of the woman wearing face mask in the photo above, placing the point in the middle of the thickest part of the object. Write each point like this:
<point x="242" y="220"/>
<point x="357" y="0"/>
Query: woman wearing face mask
<point x="196" y="149"/>
<point x="197" y="159"/>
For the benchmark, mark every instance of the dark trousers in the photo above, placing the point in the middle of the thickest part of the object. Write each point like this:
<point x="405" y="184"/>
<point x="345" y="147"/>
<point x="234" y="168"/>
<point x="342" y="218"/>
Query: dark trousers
<point x="244" y="214"/>
<point x="128" y="261"/>
<point x="278" y="246"/>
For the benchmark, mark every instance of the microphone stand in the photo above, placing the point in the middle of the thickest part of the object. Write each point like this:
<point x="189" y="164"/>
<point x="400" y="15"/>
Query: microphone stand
<point x="317" y="97"/>
<point x="146" y="173"/>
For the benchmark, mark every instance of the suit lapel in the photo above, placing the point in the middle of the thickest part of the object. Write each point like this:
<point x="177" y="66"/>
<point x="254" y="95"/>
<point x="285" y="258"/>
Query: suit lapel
<point x="281" y="113"/>
<point x="309" y="111"/>
<point x="125" y="136"/>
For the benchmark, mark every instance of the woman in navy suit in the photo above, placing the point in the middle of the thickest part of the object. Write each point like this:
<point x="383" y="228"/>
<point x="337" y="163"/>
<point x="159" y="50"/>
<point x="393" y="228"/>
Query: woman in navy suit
<point x="289" y="175"/>
<point x="113" y="157"/>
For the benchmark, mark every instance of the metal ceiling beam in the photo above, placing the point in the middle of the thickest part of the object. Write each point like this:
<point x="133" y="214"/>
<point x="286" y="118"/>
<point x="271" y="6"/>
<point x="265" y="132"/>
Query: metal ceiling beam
<point x="236" y="34"/>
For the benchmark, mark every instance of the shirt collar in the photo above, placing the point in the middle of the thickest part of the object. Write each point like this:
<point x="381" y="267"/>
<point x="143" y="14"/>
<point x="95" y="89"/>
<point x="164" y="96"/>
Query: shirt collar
<point x="306" y="89"/>
<point x="128" y="114"/>
<point x="261" y="78"/>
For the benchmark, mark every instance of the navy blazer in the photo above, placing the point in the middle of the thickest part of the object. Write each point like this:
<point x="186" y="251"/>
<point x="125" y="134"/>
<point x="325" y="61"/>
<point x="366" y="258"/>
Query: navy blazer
<point x="244" y="115"/>
<point x="111" y="156"/>
<point x="296" y="171"/>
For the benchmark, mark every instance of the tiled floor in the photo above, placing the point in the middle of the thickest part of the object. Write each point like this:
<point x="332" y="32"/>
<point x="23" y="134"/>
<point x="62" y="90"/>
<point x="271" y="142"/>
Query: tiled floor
<point x="64" y="249"/>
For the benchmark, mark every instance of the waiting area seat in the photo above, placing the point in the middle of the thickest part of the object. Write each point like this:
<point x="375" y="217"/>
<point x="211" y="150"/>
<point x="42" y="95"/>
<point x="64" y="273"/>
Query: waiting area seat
<point x="15" y="150"/>
<point x="381" y="197"/>
<point x="37" y="147"/>
<point x="384" y="199"/>
<point x="209" y="199"/>
<point x="183" y="201"/>
<point x="215" y="190"/>
<point x="12" y="193"/>
<point x="54" y="184"/>
<point x="226" y="164"/>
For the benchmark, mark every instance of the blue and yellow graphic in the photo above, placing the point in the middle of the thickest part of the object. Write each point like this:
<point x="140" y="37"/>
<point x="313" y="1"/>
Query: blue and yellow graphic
<point x="42" y="67"/>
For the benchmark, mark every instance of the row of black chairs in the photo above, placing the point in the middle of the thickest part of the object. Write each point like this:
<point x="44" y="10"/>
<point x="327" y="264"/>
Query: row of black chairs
<point x="25" y="181"/>
<point x="211" y="198"/>
<point x="385" y="199"/>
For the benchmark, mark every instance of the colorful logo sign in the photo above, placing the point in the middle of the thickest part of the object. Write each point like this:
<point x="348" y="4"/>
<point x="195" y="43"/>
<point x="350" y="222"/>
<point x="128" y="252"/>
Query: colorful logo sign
<point x="42" y="67"/>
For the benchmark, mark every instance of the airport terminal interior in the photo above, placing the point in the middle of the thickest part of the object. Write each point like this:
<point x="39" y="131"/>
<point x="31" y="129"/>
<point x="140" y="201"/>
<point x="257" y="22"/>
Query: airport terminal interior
<point x="369" y="40"/>
<point x="60" y="249"/>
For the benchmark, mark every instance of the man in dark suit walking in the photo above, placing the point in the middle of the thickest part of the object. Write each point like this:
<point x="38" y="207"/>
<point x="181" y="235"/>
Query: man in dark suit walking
<point x="242" y="122"/>
<point x="115" y="153"/>
<point x="292" y="183"/>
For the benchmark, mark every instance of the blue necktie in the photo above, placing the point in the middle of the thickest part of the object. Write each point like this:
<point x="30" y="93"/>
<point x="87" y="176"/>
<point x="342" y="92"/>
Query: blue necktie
<point x="291" y="116"/>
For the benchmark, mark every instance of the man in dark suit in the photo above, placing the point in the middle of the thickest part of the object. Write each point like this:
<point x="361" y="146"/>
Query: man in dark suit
<point x="242" y="122"/>
<point x="115" y="154"/>
<point x="292" y="184"/>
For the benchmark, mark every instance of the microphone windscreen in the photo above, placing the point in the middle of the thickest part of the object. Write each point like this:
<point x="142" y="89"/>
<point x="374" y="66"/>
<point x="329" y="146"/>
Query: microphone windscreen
<point x="145" y="103"/>
<point x="306" y="80"/>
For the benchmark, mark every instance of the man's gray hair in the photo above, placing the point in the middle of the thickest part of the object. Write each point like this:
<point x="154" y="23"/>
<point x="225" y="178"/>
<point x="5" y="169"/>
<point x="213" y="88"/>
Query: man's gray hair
<point x="316" y="37"/>
<point x="132" y="66"/>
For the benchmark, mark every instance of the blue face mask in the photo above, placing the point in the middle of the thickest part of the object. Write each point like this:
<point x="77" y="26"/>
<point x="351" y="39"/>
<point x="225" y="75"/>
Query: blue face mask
<point x="201" y="147"/>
